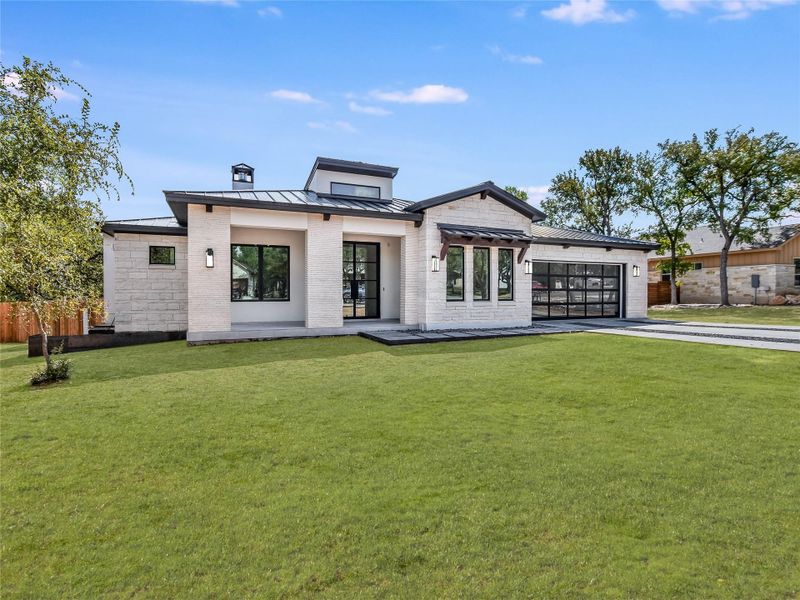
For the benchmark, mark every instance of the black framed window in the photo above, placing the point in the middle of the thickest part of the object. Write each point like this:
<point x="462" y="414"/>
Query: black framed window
<point x="480" y="274"/>
<point x="571" y="290"/>
<point x="162" y="255"/>
<point x="697" y="266"/>
<point x="259" y="273"/>
<point x="797" y="272"/>
<point x="505" y="274"/>
<point x="455" y="273"/>
<point x="358" y="191"/>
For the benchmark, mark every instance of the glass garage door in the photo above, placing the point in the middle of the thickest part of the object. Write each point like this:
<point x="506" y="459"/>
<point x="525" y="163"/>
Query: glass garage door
<point x="575" y="290"/>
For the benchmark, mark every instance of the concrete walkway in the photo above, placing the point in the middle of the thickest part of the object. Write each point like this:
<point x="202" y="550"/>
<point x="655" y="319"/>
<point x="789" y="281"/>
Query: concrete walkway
<point x="748" y="336"/>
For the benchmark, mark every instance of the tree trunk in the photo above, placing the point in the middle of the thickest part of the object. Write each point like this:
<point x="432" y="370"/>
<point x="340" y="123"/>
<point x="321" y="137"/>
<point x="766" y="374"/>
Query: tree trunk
<point x="44" y="338"/>
<point x="723" y="275"/>
<point x="673" y="276"/>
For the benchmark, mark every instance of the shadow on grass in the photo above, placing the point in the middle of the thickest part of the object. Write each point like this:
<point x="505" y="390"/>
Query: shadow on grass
<point x="176" y="357"/>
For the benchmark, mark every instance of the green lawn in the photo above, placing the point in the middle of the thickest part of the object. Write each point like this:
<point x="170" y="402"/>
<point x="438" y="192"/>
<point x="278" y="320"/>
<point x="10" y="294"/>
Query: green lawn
<point x="762" y="315"/>
<point x="569" y="466"/>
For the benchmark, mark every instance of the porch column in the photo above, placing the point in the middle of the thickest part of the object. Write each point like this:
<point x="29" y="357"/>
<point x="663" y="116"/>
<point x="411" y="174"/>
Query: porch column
<point x="410" y="275"/>
<point x="209" y="288"/>
<point x="324" y="271"/>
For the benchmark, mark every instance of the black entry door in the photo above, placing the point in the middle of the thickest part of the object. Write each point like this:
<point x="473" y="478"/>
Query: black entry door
<point x="576" y="290"/>
<point x="360" y="280"/>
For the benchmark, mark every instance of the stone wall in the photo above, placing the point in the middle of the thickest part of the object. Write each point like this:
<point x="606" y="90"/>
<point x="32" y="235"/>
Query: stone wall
<point x="140" y="296"/>
<point x="702" y="286"/>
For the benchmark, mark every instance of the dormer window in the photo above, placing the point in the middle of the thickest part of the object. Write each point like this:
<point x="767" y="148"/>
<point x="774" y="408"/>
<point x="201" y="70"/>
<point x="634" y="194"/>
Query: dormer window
<point x="357" y="191"/>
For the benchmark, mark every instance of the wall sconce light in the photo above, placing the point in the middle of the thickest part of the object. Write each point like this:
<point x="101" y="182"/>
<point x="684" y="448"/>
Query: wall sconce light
<point x="209" y="258"/>
<point x="528" y="267"/>
<point x="435" y="264"/>
<point x="636" y="270"/>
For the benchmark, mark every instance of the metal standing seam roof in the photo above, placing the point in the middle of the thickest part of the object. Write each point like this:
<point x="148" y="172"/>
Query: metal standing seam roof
<point x="509" y="235"/>
<point x="292" y="200"/>
<point x="543" y="234"/>
<point x="162" y="225"/>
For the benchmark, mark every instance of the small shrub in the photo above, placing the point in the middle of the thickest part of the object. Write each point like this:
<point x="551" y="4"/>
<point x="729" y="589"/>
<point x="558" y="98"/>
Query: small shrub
<point x="59" y="369"/>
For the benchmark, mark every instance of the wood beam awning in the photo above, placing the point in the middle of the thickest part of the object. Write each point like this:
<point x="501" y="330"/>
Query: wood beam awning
<point x="469" y="235"/>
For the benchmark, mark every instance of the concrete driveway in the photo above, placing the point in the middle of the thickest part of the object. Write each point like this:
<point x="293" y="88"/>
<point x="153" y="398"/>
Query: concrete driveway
<point x="769" y="337"/>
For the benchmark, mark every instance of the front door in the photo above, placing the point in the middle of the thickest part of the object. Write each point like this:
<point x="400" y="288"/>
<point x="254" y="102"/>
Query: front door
<point x="360" y="280"/>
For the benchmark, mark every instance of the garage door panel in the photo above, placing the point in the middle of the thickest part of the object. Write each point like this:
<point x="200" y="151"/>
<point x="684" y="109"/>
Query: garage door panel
<point x="575" y="290"/>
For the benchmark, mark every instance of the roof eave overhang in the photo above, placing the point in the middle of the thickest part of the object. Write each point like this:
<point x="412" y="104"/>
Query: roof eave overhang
<point x="178" y="201"/>
<point x="366" y="169"/>
<point x="112" y="228"/>
<point x="643" y="246"/>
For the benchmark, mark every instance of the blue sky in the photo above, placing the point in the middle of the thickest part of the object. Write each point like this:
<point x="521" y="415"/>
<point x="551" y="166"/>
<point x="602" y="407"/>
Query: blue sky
<point x="451" y="93"/>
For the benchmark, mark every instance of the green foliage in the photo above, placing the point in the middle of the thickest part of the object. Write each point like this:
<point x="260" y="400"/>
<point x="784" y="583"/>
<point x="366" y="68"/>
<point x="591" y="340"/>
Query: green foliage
<point x="515" y="191"/>
<point x="54" y="169"/>
<point x="741" y="182"/>
<point x="762" y="315"/>
<point x="57" y="369"/>
<point x="341" y="468"/>
<point x="593" y="196"/>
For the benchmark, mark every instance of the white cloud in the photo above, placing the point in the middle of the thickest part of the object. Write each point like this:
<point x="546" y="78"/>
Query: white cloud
<point x="295" y="96"/>
<point x="426" y="94"/>
<point x="727" y="10"/>
<point x="580" y="12"/>
<point x="343" y="126"/>
<point x="368" y="110"/>
<point x="519" y="13"/>
<point x="536" y="193"/>
<point x="11" y="81"/>
<point x="523" y="59"/>
<point x="270" y="11"/>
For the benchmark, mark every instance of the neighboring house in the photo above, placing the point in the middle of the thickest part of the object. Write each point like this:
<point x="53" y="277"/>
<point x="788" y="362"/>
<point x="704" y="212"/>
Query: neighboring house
<point x="344" y="252"/>
<point x="774" y="258"/>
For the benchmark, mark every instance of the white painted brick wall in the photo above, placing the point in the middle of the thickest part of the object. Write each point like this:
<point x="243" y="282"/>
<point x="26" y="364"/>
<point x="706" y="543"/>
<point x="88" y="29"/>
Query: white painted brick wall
<point x="209" y="289"/>
<point x="436" y="312"/>
<point x="147" y="297"/>
<point x="324" y="272"/>
<point x="410" y="277"/>
<point x="635" y="287"/>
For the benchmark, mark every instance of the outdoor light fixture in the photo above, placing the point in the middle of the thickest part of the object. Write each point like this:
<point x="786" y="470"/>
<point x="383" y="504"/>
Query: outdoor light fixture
<point x="528" y="267"/>
<point x="636" y="270"/>
<point x="209" y="258"/>
<point x="435" y="264"/>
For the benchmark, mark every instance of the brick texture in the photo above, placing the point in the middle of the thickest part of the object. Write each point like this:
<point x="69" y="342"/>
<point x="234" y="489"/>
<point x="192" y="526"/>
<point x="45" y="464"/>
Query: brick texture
<point x="209" y="289"/>
<point x="324" y="272"/>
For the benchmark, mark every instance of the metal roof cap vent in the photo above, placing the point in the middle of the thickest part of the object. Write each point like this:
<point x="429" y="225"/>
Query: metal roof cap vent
<point x="242" y="176"/>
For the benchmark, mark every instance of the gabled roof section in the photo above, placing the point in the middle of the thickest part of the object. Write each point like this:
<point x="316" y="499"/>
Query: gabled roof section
<point x="154" y="226"/>
<point x="350" y="166"/>
<point x="292" y="201"/>
<point x="704" y="240"/>
<point x="557" y="236"/>
<point x="487" y="188"/>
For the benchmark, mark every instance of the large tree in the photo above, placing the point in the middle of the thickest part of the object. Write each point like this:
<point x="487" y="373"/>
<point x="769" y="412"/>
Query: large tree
<point x="54" y="169"/>
<point x="595" y="195"/>
<point x="656" y="192"/>
<point x="743" y="182"/>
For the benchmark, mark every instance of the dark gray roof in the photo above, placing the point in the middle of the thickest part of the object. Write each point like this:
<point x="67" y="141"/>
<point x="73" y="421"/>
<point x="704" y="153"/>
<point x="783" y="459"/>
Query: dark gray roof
<point x="510" y="235"/>
<point x="154" y="225"/>
<point x="350" y="166"/>
<point x="705" y="241"/>
<point x="292" y="201"/>
<point x="542" y="234"/>
<point x="487" y="188"/>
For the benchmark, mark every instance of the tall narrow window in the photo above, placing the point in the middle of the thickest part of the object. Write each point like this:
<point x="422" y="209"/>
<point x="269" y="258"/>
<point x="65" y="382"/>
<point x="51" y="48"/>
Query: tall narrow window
<point x="480" y="273"/>
<point x="505" y="274"/>
<point x="455" y="273"/>
<point x="259" y="273"/>
<point x="797" y="272"/>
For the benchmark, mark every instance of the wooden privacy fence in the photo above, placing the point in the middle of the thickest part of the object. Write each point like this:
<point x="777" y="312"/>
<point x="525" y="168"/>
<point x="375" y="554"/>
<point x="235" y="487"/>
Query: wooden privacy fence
<point x="658" y="293"/>
<point x="15" y="327"/>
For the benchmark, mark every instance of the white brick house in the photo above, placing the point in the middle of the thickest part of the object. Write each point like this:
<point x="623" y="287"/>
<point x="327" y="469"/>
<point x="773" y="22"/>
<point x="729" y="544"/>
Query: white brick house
<point x="343" y="253"/>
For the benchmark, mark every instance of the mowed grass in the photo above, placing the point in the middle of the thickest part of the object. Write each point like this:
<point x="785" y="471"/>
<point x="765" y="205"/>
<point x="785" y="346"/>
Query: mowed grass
<point x="567" y="466"/>
<point x="759" y="315"/>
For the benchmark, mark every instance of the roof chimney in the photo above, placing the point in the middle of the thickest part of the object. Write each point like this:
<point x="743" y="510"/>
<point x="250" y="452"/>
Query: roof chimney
<point x="242" y="176"/>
